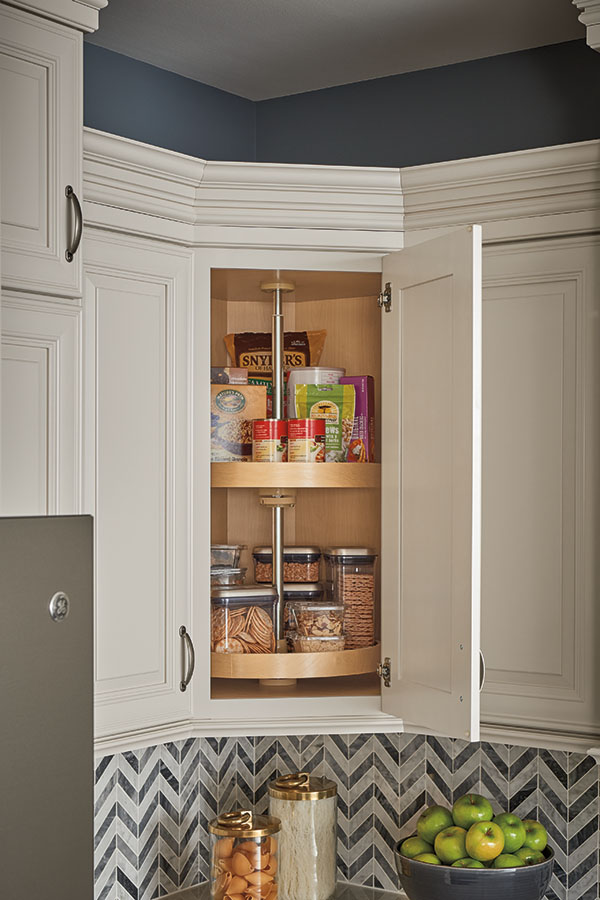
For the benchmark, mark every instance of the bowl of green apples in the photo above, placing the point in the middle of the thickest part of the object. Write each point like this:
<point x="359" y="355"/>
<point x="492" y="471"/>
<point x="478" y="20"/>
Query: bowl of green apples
<point x="469" y="853"/>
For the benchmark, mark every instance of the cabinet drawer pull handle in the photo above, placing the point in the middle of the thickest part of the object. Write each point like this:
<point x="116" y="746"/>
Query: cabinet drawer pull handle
<point x="77" y="223"/>
<point x="481" y="670"/>
<point x="187" y="656"/>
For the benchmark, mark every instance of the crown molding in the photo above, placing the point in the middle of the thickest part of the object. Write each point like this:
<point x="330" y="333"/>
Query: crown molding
<point x="82" y="14"/>
<point x="148" y="180"/>
<point x="590" y="17"/>
<point x="561" y="181"/>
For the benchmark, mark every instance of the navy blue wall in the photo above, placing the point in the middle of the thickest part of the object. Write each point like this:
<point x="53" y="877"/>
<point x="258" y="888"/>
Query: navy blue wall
<point x="135" y="100"/>
<point x="534" y="98"/>
<point x="516" y="101"/>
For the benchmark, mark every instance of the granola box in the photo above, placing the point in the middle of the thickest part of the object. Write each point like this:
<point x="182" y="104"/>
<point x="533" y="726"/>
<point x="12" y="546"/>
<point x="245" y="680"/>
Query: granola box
<point x="362" y="442"/>
<point x="232" y="411"/>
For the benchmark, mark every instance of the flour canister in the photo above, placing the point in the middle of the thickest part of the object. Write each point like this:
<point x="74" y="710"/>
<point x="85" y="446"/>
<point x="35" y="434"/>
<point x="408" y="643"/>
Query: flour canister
<point x="307" y="808"/>
<point x="244" y="854"/>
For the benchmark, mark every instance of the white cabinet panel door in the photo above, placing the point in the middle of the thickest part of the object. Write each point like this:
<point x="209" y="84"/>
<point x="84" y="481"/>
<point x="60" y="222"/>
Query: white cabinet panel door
<point x="431" y="465"/>
<point x="41" y="423"/>
<point x="541" y="451"/>
<point x="40" y="151"/>
<point x="138" y="313"/>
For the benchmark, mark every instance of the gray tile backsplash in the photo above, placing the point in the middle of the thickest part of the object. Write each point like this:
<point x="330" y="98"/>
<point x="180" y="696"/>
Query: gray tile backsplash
<point x="152" y="805"/>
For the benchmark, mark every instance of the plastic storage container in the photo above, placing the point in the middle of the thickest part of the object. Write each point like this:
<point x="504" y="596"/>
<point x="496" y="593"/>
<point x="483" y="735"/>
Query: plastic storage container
<point x="226" y="554"/>
<point x="244" y="855"/>
<point x="307" y="808"/>
<point x="226" y="576"/>
<point x="301" y="643"/>
<point x="312" y="593"/>
<point x="242" y="619"/>
<point x="309" y="375"/>
<point x="315" y="619"/>
<point x="300" y="564"/>
<point x="350" y="580"/>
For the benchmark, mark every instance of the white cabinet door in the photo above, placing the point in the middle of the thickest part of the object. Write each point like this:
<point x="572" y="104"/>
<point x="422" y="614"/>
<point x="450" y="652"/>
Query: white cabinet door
<point x="541" y="486"/>
<point x="40" y="152"/>
<point x="138" y="326"/>
<point x="431" y="465"/>
<point x="41" y="423"/>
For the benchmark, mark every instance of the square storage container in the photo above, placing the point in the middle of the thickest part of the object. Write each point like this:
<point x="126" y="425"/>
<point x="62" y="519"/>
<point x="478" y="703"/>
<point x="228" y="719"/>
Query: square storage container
<point x="300" y="564"/>
<point x="316" y="619"/>
<point x="350" y="582"/>
<point x="226" y="576"/>
<point x="226" y="555"/>
<point x="313" y="644"/>
<point x="242" y="619"/>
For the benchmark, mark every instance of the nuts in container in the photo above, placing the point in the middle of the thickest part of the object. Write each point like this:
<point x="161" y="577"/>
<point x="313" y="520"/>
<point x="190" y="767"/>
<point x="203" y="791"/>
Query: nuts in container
<point x="242" y="619"/>
<point x="243" y="856"/>
<point x="316" y="619"/>
<point x="314" y="644"/>
<point x="300" y="564"/>
<point x="351" y="573"/>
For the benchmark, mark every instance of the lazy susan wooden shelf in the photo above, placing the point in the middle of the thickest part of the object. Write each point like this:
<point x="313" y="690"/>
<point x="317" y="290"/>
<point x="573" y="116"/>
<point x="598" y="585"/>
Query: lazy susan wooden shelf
<point x="295" y="475"/>
<point x="295" y="665"/>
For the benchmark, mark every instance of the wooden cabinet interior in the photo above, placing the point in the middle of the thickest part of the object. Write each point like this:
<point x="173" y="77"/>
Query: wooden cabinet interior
<point x="345" y="305"/>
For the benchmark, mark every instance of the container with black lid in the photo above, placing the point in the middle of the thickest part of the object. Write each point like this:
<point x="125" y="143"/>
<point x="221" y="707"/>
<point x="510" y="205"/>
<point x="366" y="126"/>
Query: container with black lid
<point x="242" y="618"/>
<point x="300" y="564"/>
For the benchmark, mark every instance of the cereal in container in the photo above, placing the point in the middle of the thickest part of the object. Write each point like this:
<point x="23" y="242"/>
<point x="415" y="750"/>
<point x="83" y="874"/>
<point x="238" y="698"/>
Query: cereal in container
<point x="244" y="851"/>
<point x="316" y="619"/>
<point x="350" y="580"/>
<point x="312" y="643"/>
<point x="242" y="619"/>
<point x="300" y="564"/>
<point x="306" y="805"/>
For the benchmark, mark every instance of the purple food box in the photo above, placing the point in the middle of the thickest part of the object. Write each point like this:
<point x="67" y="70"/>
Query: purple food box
<point x="362" y="444"/>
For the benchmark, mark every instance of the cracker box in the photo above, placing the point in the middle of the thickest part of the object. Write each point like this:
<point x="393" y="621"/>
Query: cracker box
<point x="362" y="443"/>
<point x="228" y="375"/>
<point x="232" y="411"/>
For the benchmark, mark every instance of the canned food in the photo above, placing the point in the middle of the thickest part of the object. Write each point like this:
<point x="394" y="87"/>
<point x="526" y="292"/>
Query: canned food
<point x="269" y="440"/>
<point x="306" y="440"/>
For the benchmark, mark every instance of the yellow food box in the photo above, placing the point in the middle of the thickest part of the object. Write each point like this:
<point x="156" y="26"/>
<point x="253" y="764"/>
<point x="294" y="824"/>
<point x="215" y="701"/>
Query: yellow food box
<point x="232" y="411"/>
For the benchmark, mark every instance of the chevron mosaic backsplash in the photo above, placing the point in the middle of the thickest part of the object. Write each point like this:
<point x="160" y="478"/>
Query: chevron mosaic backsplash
<point x="152" y="805"/>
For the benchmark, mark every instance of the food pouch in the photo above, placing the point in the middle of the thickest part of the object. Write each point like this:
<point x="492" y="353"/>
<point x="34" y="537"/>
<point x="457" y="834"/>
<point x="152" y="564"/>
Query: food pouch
<point x="253" y="350"/>
<point x="335" y="404"/>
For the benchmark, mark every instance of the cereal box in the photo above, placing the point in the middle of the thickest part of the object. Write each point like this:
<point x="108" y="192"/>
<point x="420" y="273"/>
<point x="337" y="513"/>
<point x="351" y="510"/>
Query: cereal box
<point x="228" y="375"/>
<point x="335" y="404"/>
<point x="232" y="411"/>
<point x="362" y="444"/>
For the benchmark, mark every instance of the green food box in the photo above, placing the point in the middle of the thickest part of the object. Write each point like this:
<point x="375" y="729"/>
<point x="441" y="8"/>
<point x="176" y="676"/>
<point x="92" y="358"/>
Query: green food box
<point x="334" y="403"/>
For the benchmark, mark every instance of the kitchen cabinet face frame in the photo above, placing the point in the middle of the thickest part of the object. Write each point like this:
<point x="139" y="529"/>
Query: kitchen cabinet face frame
<point x="451" y="703"/>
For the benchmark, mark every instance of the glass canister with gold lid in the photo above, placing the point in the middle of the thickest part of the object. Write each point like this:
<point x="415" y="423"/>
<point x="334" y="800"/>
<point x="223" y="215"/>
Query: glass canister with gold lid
<point x="244" y="854"/>
<point x="307" y="807"/>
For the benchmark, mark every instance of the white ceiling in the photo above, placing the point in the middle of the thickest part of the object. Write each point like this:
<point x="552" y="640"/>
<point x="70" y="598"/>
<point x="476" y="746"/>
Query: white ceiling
<point x="270" y="48"/>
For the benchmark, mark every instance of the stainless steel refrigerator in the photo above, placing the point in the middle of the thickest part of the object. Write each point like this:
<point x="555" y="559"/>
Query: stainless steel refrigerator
<point x="46" y="708"/>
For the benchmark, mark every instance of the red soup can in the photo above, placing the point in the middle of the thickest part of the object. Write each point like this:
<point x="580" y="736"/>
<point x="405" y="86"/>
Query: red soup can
<point x="306" y="440"/>
<point x="269" y="440"/>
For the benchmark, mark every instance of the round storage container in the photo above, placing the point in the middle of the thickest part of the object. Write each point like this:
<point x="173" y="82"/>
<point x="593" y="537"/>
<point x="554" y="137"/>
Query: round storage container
<point x="300" y="564"/>
<point x="242" y="619"/>
<point x="307" y="808"/>
<point x="309" y="375"/>
<point x="350" y="577"/>
<point x="243" y="855"/>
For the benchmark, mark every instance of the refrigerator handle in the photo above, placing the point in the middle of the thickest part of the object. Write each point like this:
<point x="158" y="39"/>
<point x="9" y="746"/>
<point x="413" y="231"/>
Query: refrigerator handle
<point x="188" y="658"/>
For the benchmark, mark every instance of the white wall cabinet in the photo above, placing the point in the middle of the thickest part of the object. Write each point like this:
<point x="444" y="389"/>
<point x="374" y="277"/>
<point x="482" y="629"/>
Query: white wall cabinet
<point x="41" y="101"/>
<point x="137" y="381"/>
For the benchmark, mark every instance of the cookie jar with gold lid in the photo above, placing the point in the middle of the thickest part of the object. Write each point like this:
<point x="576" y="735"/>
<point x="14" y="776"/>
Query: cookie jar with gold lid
<point x="307" y="807"/>
<point x="244" y="854"/>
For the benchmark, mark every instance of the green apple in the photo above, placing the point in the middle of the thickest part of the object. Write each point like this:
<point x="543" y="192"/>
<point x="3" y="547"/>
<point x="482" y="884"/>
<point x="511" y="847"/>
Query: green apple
<point x="414" y="845"/>
<point x="485" y="841"/>
<point x="468" y="863"/>
<point x="470" y="809"/>
<point x="433" y="820"/>
<point x="450" y="844"/>
<point x="536" y="836"/>
<point x="428" y="858"/>
<point x="530" y="857"/>
<point x="514" y="831"/>
<point x="507" y="861"/>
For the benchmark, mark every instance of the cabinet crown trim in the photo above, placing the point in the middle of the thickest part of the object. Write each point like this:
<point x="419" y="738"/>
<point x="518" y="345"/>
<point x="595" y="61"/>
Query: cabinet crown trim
<point x="82" y="14"/>
<point x="590" y="17"/>
<point x="153" y="181"/>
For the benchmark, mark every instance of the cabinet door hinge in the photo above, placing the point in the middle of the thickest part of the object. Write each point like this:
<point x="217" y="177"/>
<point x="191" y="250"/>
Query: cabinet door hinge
<point x="384" y="670"/>
<point x="385" y="297"/>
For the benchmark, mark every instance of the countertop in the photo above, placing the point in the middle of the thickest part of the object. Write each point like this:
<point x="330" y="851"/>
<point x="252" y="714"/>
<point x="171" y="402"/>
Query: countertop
<point x="343" y="892"/>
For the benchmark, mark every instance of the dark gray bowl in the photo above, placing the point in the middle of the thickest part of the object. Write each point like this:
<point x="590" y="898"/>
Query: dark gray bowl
<point x="423" y="881"/>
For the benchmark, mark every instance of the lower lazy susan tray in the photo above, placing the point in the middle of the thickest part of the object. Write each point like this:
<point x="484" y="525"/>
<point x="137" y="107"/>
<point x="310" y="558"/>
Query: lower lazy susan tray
<point x="296" y="665"/>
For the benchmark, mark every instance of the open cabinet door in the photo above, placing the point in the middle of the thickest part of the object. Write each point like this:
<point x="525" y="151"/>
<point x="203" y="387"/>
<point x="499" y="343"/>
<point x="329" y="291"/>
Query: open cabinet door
<point x="431" y="470"/>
